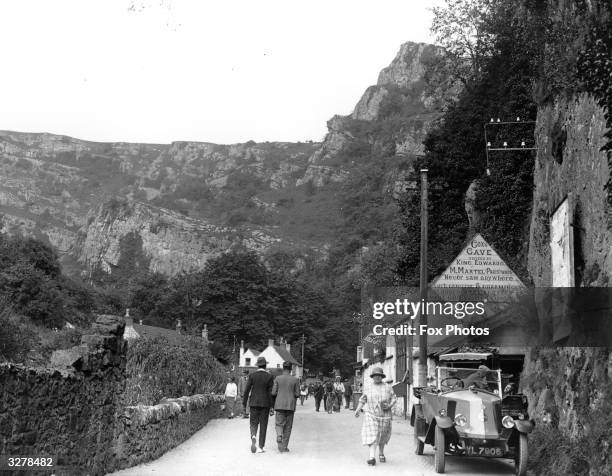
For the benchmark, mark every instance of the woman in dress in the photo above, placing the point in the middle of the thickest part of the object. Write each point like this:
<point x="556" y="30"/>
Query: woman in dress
<point x="378" y="402"/>
<point x="231" y="390"/>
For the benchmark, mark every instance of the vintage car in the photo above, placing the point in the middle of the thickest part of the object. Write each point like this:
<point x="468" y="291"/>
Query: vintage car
<point x="466" y="413"/>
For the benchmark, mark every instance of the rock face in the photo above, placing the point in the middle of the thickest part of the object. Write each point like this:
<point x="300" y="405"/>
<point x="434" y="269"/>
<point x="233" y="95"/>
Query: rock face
<point x="563" y="384"/>
<point x="176" y="205"/>
<point x="169" y="242"/>
<point x="579" y="167"/>
<point x="408" y="66"/>
<point x="399" y="86"/>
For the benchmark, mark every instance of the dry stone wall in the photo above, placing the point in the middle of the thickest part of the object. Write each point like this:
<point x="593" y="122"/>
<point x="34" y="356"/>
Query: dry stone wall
<point x="144" y="433"/>
<point x="74" y="409"/>
<point x="69" y="411"/>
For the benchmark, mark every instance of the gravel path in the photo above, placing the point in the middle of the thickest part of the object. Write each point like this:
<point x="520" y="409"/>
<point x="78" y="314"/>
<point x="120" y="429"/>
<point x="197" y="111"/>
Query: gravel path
<point x="321" y="444"/>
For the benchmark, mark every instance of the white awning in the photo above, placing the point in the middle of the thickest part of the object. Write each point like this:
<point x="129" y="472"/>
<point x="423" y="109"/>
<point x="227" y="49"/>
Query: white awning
<point x="466" y="356"/>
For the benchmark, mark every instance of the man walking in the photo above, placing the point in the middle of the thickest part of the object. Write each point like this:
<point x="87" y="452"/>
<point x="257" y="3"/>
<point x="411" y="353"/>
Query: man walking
<point x="318" y="395"/>
<point x="286" y="390"/>
<point x="339" y="391"/>
<point x="259" y="389"/>
<point x="348" y="393"/>
<point x="242" y="383"/>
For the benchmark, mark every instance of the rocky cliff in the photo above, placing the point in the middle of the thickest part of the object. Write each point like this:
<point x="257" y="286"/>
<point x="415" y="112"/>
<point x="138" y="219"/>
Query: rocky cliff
<point x="179" y="204"/>
<point x="399" y="92"/>
<point x="569" y="387"/>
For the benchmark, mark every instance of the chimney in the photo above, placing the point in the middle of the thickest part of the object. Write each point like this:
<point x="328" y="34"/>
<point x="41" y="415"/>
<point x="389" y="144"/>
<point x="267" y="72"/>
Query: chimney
<point x="270" y="342"/>
<point x="178" y="326"/>
<point x="241" y="361"/>
<point x="288" y="346"/>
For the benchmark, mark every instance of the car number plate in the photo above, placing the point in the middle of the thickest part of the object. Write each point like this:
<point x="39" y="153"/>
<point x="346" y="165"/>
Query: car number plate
<point x="485" y="451"/>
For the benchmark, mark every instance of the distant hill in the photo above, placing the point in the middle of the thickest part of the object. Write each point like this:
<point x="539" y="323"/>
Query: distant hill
<point x="176" y="205"/>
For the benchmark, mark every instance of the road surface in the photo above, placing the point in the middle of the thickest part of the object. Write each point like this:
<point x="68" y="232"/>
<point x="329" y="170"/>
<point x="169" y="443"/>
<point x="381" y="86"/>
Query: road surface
<point x="321" y="444"/>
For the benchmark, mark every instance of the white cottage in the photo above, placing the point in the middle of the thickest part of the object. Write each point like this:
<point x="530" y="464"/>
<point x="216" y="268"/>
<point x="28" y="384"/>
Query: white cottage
<point x="275" y="355"/>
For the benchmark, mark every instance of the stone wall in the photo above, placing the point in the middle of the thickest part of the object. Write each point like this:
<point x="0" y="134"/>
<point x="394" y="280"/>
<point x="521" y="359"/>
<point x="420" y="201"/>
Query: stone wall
<point x="74" y="409"/>
<point x="144" y="433"/>
<point x="70" y="410"/>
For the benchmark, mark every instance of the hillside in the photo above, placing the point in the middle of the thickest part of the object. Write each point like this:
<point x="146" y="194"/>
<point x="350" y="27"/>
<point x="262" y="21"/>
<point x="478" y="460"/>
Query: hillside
<point x="178" y="204"/>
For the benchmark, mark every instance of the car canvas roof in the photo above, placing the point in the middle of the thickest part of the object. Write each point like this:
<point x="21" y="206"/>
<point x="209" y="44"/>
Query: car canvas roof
<point x="466" y="356"/>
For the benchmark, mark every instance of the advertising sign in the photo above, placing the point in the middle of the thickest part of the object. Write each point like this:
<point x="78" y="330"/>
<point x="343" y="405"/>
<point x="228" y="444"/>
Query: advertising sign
<point x="478" y="265"/>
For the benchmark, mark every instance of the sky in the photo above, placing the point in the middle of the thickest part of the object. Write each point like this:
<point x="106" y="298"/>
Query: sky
<point x="223" y="71"/>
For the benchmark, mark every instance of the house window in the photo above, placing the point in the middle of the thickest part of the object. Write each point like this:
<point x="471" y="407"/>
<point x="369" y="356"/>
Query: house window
<point x="278" y="366"/>
<point x="247" y="361"/>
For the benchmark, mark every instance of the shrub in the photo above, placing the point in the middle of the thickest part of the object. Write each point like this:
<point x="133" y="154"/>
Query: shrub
<point x="14" y="342"/>
<point x="159" y="369"/>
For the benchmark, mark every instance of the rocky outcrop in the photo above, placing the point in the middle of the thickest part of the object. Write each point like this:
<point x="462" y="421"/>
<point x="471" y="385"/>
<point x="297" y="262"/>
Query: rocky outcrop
<point x="168" y="241"/>
<point x="401" y="83"/>
<point x="368" y="106"/>
<point x="572" y="162"/>
<point x="565" y="385"/>
<point x="408" y="66"/>
<point x="180" y="196"/>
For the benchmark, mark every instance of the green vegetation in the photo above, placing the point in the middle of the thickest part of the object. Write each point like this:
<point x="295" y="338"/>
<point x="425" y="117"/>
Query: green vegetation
<point x="37" y="300"/>
<point x="237" y="297"/>
<point x="158" y="369"/>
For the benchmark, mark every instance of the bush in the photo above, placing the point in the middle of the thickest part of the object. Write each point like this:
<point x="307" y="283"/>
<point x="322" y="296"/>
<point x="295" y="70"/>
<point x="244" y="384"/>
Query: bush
<point x="158" y="369"/>
<point x="14" y="341"/>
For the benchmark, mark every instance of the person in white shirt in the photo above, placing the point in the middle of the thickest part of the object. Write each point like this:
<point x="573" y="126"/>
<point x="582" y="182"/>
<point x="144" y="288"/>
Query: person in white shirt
<point x="231" y="390"/>
<point x="339" y="391"/>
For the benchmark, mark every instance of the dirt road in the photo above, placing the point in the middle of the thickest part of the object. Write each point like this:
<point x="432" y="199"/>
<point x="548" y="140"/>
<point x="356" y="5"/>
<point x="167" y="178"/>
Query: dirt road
<point x="321" y="444"/>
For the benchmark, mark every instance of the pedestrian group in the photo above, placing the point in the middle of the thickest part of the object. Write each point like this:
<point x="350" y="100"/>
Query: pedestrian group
<point x="264" y="396"/>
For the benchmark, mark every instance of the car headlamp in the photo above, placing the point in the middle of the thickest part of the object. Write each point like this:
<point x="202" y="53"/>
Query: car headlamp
<point x="442" y="412"/>
<point x="508" y="421"/>
<point x="460" y="420"/>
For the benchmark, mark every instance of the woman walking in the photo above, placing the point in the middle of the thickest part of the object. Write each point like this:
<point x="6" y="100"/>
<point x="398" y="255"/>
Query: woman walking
<point x="303" y="393"/>
<point x="231" y="390"/>
<point x="378" y="401"/>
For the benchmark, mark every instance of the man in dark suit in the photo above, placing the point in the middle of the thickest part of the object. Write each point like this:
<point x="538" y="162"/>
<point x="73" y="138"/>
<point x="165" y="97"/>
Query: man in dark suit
<point x="259" y="388"/>
<point x="286" y="390"/>
<point x="318" y="394"/>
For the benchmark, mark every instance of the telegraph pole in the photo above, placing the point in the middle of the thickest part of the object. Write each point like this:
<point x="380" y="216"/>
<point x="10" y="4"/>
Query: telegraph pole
<point x="303" y="340"/>
<point x="422" y="381"/>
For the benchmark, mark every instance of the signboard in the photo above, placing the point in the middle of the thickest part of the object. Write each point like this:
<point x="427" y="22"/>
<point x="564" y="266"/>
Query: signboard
<point x="562" y="268"/>
<point x="562" y="247"/>
<point x="478" y="265"/>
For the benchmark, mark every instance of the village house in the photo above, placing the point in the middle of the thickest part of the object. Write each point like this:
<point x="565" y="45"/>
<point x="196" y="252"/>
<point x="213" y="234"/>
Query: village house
<point x="174" y="336"/>
<point x="275" y="355"/>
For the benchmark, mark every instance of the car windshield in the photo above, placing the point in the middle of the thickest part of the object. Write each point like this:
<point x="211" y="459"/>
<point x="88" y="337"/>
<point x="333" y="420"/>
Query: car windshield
<point x="456" y="378"/>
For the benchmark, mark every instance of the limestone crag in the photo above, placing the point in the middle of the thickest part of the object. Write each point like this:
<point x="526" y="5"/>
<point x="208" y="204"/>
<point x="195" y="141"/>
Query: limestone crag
<point x="408" y="66"/>
<point x="404" y="76"/>
<point x="176" y="205"/>
<point x="169" y="241"/>
<point x="368" y="106"/>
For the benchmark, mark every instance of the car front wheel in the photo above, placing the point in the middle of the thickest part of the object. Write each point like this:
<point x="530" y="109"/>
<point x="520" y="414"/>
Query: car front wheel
<point x="418" y="444"/>
<point x="440" y="443"/>
<point x="520" y="458"/>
